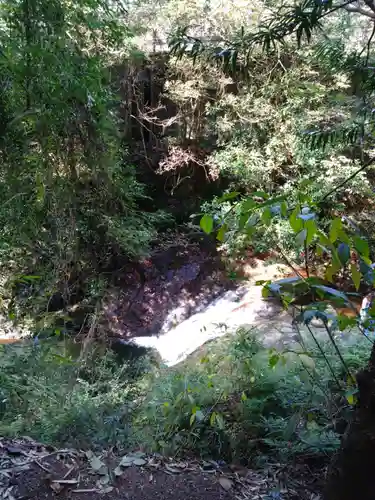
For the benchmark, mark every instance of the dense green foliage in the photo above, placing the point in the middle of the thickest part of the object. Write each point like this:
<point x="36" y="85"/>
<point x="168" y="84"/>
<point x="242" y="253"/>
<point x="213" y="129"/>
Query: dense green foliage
<point x="69" y="195"/>
<point x="275" y="117"/>
<point x="229" y="402"/>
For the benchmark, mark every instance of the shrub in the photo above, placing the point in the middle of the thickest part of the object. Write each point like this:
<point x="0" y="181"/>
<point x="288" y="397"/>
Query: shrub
<point x="51" y="395"/>
<point x="234" y="402"/>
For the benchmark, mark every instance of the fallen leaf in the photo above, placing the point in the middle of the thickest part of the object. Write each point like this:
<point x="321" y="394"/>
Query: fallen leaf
<point x="174" y="470"/>
<point x="103" y="471"/>
<point x="96" y="463"/>
<point x="139" y="461"/>
<point x="15" y="450"/>
<point x="126" y="461"/>
<point x="56" y="487"/>
<point x="89" y="490"/>
<point x="65" y="481"/>
<point x="104" y="480"/>
<point x="225" y="483"/>
<point x="105" y="490"/>
<point x="118" y="471"/>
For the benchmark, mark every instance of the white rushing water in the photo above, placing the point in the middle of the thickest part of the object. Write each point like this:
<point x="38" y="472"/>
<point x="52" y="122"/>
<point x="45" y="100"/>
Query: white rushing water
<point x="225" y="314"/>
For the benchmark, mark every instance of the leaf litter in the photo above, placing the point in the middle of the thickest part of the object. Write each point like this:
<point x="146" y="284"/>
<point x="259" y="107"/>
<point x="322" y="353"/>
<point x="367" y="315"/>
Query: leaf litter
<point x="66" y="470"/>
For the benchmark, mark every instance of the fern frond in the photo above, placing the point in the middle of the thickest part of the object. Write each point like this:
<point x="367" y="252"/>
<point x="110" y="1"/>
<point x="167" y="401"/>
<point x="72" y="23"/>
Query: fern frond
<point x="347" y="134"/>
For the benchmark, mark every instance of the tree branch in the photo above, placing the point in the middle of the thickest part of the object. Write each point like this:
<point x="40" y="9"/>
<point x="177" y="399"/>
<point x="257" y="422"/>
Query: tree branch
<point x="370" y="4"/>
<point x="343" y="183"/>
<point x="359" y="10"/>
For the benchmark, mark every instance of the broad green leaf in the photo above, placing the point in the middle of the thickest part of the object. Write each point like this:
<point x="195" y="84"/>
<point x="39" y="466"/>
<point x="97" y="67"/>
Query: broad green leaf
<point x="301" y="237"/>
<point x="261" y="194"/>
<point x="248" y="204"/>
<point x="292" y="426"/>
<point x="310" y="227"/>
<point x="272" y="201"/>
<point x="324" y="240"/>
<point x="307" y="361"/>
<point x="213" y="418"/>
<point x="361" y="246"/>
<point x="267" y="216"/>
<point x="295" y="222"/>
<point x="207" y="223"/>
<point x="320" y="250"/>
<point x="220" y="421"/>
<point x="243" y="397"/>
<point x="228" y="196"/>
<point x="192" y="419"/>
<point x="343" y="321"/>
<point x="221" y="233"/>
<point x="243" y="220"/>
<point x="356" y="276"/>
<point x="283" y="209"/>
<point x="273" y="360"/>
<point x="335" y="228"/>
<point x="331" y="271"/>
<point x="344" y="237"/>
<point x="343" y="252"/>
<point x="351" y="395"/>
<point x="332" y="291"/>
<point x="350" y="399"/>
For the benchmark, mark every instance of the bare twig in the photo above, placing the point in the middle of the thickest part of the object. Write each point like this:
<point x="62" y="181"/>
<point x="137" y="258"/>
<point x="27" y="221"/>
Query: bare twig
<point x="46" y="469"/>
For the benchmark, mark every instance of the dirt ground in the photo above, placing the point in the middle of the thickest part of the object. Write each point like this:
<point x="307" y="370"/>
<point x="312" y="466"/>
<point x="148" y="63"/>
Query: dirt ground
<point x="29" y="470"/>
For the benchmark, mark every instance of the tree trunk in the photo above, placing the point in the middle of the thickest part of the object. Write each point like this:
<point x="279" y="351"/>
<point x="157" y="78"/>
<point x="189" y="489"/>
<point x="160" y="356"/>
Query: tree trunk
<point x="352" y="473"/>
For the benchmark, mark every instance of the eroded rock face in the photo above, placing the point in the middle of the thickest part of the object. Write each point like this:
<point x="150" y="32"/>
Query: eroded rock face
<point x="181" y="278"/>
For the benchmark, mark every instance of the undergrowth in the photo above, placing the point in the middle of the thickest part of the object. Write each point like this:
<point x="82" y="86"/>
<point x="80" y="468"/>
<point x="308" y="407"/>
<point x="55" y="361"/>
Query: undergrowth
<point x="51" y="395"/>
<point x="233" y="400"/>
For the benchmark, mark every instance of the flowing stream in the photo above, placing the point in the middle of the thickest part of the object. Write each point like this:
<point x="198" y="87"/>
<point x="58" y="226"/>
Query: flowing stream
<point x="243" y="307"/>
